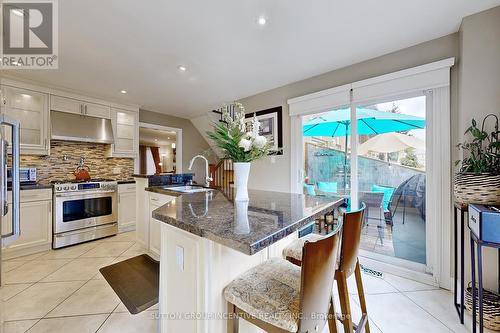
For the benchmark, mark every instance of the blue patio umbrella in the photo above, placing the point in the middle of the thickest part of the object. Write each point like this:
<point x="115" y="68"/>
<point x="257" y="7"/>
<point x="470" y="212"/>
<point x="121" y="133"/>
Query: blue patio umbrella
<point x="338" y="123"/>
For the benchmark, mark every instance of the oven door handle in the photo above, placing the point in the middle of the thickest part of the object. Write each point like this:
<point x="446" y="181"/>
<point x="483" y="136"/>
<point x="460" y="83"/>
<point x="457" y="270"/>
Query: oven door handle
<point x="79" y="194"/>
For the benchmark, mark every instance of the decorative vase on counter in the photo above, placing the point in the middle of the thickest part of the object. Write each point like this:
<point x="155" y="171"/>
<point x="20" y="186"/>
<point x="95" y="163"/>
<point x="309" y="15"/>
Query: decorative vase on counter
<point x="241" y="223"/>
<point x="241" y="172"/>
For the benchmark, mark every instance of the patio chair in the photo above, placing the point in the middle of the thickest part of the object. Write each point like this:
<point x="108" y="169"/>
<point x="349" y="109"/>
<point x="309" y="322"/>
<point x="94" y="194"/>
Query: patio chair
<point x="413" y="187"/>
<point x="322" y="222"/>
<point x="374" y="200"/>
<point x="327" y="187"/>
<point x="388" y="197"/>
<point x="309" y="189"/>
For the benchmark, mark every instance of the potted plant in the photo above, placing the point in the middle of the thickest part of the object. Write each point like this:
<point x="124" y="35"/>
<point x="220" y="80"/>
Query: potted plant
<point x="238" y="144"/>
<point x="478" y="180"/>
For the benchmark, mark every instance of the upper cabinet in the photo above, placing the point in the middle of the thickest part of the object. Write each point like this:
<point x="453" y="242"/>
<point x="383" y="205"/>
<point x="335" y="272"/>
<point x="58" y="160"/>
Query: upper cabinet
<point x="126" y="133"/>
<point x="31" y="105"/>
<point x="31" y="109"/>
<point x="71" y="105"/>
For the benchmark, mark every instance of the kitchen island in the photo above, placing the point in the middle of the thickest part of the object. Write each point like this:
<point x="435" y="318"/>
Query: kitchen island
<point x="207" y="240"/>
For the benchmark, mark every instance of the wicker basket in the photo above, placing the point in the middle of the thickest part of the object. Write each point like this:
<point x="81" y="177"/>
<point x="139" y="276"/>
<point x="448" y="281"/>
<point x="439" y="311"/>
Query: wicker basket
<point x="491" y="307"/>
<point x="477" y="188"/>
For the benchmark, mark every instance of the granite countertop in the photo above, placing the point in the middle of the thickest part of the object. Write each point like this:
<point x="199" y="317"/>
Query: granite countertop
<point x="126" y="181"/>
<point x="142" y="175"/>
<point x="137" y="175"/>
<point x="37" y="186"/>
<point x="247" y="227"/>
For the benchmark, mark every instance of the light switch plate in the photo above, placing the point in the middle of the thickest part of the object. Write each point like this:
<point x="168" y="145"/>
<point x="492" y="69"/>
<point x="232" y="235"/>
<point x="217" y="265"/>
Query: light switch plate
<point x="179" y="255"/>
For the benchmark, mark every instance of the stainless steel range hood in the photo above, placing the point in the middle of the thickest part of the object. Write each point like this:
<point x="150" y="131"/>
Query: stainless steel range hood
<point x="75" y="127"/>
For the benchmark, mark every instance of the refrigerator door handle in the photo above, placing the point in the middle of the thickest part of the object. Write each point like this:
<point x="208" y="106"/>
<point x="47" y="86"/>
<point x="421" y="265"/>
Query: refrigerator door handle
<point x="3" y="172"/>
<point x="16" y="228"/>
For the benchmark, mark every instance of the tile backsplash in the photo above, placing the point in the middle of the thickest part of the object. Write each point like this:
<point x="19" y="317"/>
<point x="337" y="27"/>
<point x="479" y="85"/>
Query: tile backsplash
<point x="65" y="156"/>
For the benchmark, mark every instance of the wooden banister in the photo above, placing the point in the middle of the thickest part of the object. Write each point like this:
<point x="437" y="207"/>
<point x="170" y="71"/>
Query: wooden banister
<point x="222" y="174"/>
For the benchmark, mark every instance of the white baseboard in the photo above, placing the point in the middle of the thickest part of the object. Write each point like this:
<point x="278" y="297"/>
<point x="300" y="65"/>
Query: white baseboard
<point x="25" y="251"/>
<point x="126" y="228"/>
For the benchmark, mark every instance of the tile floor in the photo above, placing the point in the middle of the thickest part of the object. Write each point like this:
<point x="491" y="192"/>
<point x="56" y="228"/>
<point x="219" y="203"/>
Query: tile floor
<point x="63" y="291"/>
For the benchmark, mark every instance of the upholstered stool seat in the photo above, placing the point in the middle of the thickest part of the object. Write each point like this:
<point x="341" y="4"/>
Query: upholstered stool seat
<point x="294" y="250"/>
<point x="269" y="292"/>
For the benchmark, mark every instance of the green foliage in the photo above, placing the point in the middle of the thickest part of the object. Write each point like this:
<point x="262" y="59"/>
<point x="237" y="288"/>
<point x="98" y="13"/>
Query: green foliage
<point x="235" y="143"/>
<point x="483" y="152"/>
<point x="410" y="159"/>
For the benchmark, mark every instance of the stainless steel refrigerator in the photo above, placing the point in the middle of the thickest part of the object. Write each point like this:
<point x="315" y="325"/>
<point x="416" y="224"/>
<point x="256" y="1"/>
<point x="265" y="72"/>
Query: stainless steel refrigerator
<point x="10" y="227"/>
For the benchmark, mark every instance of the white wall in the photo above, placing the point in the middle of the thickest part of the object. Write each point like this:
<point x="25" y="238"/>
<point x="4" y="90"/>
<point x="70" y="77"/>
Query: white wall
<point x="479" y="91"/>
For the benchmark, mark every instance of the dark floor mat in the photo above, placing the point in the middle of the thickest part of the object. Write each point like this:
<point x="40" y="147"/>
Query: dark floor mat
<point x="135" y="281"/>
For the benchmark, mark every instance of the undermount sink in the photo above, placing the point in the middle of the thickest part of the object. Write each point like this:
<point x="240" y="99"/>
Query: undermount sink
<point x="188" y="189"/>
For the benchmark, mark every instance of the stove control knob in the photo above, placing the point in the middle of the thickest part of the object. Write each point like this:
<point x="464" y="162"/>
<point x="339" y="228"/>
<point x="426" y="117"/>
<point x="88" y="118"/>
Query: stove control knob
<point x="73" y="187"/>
<point x="58" y="188"/>
<point x="65" y="188"/>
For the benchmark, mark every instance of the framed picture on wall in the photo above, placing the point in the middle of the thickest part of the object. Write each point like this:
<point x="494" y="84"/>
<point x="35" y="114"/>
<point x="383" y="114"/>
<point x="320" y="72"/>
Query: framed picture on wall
<point x="270" y="127"/>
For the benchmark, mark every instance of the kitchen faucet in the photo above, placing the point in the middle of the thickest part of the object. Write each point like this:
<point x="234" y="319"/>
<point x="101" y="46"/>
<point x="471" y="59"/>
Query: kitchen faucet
<point x="208" y="179"/>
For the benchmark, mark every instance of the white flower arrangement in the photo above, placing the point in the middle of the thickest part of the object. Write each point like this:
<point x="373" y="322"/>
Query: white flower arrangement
<point x="233" y="140"/>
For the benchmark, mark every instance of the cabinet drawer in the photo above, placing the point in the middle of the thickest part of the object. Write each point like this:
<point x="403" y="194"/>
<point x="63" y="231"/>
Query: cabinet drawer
<point x="125" y="188"/>
<point x="159" y="200"/>
<point x="32" y="195"/>
<point x="70" y="105"/>
<point x="96" y="110"/>
<point x="65" y="104"/>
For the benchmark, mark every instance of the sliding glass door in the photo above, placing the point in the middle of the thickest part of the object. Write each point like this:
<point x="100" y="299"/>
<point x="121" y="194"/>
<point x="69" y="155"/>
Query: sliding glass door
<point x="390" y="159"/>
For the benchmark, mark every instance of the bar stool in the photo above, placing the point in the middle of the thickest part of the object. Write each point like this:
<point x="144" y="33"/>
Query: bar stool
<point x="347" y="265"/>
<point x="279" y="297"/>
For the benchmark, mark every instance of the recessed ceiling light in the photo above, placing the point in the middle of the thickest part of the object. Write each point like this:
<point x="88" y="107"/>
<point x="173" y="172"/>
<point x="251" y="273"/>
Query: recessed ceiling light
<point x="182" y="68"/>
<point x="123" y="91"/>
<point x="262" y="20"/>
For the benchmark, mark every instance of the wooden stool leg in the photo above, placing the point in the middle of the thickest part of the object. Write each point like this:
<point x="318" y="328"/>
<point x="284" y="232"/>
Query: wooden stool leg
<point x="332" y="317"/>
<point x="232" y="320"/>
<point x="361" y="293"/>
<point x="344" y="301"/>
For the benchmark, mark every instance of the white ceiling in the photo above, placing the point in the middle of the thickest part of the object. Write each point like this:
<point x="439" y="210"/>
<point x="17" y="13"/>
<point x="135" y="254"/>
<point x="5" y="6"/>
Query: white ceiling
<point x="107" y="46"/>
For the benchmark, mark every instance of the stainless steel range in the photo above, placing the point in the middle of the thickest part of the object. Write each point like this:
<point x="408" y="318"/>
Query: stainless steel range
<point x="84" y="211"/>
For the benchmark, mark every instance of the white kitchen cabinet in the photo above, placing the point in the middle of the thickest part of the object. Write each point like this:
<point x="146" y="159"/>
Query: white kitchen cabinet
<point x="35" y="223"/>
<point x="156" y="200"/>
<point x="126" y="207"/>
<point x="96" y="110"/>
<point x="76" y="106"/>
<point x="126" y="133"/>
<point x="154" y="233"/>
<point x="31" y="109"/>
<point x="63" y="104"/>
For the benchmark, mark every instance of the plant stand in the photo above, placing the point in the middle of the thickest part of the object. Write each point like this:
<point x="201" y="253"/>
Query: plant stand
<point x="463" y="209"/>
<point x="475" y="241"/>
